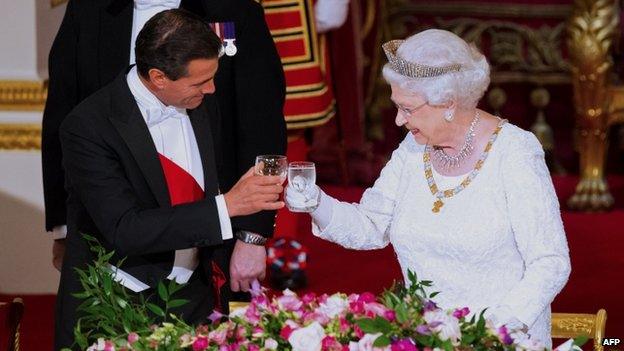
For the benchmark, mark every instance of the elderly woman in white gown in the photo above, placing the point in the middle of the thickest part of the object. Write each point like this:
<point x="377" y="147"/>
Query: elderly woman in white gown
<point x="466" y="199"/>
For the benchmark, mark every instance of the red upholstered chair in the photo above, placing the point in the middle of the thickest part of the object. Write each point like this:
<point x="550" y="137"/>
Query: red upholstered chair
<point x="10" y="318"/>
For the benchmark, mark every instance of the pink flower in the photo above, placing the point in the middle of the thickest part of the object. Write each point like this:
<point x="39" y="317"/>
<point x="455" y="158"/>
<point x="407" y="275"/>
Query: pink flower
<point x="344" y="325"/>
<point x="108" y="346"/>
<point x="503" y="334"/>
<point x="216" y="316"/>
<point x="253" y="347"/>
<point x="218" y="336"/>
<point x="376" y="309"/>
<point x="358" y="331"/>
<point x="366" y="344"/>
<point x="330" y="343"/>
<point x="289" y="301"/>
<point x="200" y="344"/>
<point x="390" y="315"/>
<point x="286" y="331"/>
<point x="308" y="298"/>
<point x="132" y="338"/>
<point x="404" y="345"/>
<point x="367" y="297"/>
<point x="460" y="313"/>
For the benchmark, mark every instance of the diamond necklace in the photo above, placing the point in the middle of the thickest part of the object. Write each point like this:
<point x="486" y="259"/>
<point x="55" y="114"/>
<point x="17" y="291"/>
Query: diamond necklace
<point x="441" y="195"/>
<point x="447" y="161"/>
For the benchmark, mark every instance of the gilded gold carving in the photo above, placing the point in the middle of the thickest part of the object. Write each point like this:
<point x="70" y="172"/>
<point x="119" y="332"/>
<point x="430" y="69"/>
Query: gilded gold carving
<point x="23" y="95"/>
<point x="591" y="32"/>
<point x="20" y="136"/>
<point x="576" y="325"/>
<point x="572" y="325"/>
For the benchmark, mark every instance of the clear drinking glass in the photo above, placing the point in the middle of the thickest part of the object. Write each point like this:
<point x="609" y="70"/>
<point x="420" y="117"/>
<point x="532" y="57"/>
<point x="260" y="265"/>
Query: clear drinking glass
<point x="302" y="178"/>
<point x="271" y="165"/>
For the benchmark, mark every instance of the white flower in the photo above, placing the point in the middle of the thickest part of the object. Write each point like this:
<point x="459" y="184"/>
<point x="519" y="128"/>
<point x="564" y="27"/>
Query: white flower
<point x="366" y="343"/>
<point x="448" y="327"/>
<point x="334" y="306"/>
<point x="238" y="312"/>
<point x="308" y="338"/>
<point x="270" y="344"/>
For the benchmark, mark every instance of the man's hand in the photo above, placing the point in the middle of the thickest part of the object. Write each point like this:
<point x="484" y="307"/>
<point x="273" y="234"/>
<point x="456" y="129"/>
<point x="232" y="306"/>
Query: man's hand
<point x="58" y="251"/>
<point x="248" y="263"/>
<point x="253" y="194"/>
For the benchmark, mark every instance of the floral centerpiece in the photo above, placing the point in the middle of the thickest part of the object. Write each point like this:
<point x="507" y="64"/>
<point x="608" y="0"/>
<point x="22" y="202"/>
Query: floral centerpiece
<point x="404" y="317"/>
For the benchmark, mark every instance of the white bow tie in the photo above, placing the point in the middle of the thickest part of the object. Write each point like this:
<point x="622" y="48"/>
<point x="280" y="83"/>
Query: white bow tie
<point x="146" y="4"/>
<point x="157" y="115"/>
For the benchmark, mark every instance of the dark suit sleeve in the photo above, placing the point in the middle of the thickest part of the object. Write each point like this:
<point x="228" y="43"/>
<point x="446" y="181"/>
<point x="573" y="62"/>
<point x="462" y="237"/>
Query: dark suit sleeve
<point x="62" y="97"/>
<point x="96" y="176"/>
<point x="260" y="91"/>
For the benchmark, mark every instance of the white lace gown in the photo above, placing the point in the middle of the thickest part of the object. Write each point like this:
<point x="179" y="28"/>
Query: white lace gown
<point x="499" y="243"/>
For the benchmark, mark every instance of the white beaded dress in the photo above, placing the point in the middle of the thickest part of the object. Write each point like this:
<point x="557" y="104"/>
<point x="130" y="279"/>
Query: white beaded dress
<point x="499" y="243"/>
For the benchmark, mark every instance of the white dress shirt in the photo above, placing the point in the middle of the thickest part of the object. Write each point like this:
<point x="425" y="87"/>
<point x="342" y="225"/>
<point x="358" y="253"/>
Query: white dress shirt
<point x="173" y="136"/>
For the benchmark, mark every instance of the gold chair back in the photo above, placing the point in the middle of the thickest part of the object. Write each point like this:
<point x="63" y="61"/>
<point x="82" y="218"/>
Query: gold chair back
<point x="572" y="325"/>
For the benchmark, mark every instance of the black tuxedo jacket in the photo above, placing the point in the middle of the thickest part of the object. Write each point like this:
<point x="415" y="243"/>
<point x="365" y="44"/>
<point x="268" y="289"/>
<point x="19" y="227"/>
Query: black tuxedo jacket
<point x="118" y="193"/>
<point x="93" y="46"/>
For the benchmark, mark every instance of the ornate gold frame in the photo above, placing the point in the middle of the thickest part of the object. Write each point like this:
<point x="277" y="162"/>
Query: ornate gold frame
<point x="23" y="95"/>
<point x="20" y="136"/>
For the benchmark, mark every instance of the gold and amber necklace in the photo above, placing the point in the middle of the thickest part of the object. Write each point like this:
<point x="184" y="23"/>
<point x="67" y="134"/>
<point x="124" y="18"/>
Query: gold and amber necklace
<point x="442" y="194"/>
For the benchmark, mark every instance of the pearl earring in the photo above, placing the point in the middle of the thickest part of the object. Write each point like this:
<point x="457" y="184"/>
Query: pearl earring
<point x="448" y="115"/>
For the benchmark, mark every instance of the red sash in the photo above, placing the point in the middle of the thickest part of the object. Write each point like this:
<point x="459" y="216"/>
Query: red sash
<point x="183" y="188"/>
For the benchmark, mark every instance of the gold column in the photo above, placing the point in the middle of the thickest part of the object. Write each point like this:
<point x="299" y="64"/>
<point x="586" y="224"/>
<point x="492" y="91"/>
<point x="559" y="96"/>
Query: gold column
<point x="591" y="31"/>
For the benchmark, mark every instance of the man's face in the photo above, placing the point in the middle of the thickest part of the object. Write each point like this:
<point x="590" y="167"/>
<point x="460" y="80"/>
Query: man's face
<point x="188" y="92"/>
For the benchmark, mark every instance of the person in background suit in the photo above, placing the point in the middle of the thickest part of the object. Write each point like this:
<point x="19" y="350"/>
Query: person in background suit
<point x="95" y="43"/>
<point x="141" y="173"/>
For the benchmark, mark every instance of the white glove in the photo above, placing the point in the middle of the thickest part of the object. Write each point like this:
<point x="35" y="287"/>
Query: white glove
<point x="301" y="196"/>
<point x="502" y="315"/>
<point x="330" y="14"/>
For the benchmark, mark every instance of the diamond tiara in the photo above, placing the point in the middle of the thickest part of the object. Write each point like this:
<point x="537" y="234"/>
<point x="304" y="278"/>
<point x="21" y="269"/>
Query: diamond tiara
<point x="410" y="69"/>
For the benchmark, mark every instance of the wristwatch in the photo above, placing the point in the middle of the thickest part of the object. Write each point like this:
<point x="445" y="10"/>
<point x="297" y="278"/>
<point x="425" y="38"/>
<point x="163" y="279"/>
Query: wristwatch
<point x="250" y="238"/>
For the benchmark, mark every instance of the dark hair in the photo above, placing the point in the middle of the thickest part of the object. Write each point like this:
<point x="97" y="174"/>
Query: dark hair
<point x="171" y="39"/>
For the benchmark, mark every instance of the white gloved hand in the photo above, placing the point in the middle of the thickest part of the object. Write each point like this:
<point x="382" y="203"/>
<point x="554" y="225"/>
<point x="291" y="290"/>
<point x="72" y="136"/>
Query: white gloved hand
<point x="301" y="196"/>
<point x="330" y="14"/>
<point x="502" y="315"/>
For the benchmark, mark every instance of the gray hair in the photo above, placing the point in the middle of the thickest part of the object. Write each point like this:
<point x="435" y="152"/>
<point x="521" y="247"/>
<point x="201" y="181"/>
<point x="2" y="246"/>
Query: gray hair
<point x="435" y="47"/>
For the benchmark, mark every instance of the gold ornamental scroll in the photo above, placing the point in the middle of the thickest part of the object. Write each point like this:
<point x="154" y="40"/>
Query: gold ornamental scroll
<point x="591" y="32"/>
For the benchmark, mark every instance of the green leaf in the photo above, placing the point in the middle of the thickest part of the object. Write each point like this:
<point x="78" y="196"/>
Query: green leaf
<point x="121" y="302"/>
<point x="177" y="303"/>
<point x="580" y="340"/>
<point x="155" y="309"/>
<point x="367" y="325"/>
<point x="381" y="341"/>
<point x="401" y="313"/>
<point x="162" y="291"/>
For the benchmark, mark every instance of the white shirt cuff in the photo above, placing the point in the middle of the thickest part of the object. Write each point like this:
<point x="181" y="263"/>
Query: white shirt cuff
<point x="224" y="218"/>
<point x="59" y="232"/>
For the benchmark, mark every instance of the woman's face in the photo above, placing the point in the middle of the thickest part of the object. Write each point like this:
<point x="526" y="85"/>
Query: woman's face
<point x="424" y="122"/>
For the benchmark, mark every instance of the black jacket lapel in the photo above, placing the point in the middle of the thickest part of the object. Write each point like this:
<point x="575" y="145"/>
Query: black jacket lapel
<point x="130" y="124"/>
<point x="200" y="120"/>
<point x="114" y="38"/>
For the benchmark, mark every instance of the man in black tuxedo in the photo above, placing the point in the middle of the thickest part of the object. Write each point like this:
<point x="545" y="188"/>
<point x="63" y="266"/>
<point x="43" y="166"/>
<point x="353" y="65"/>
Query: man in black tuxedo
<point x="141" y="174"/>
<point x="93" y="46"/>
